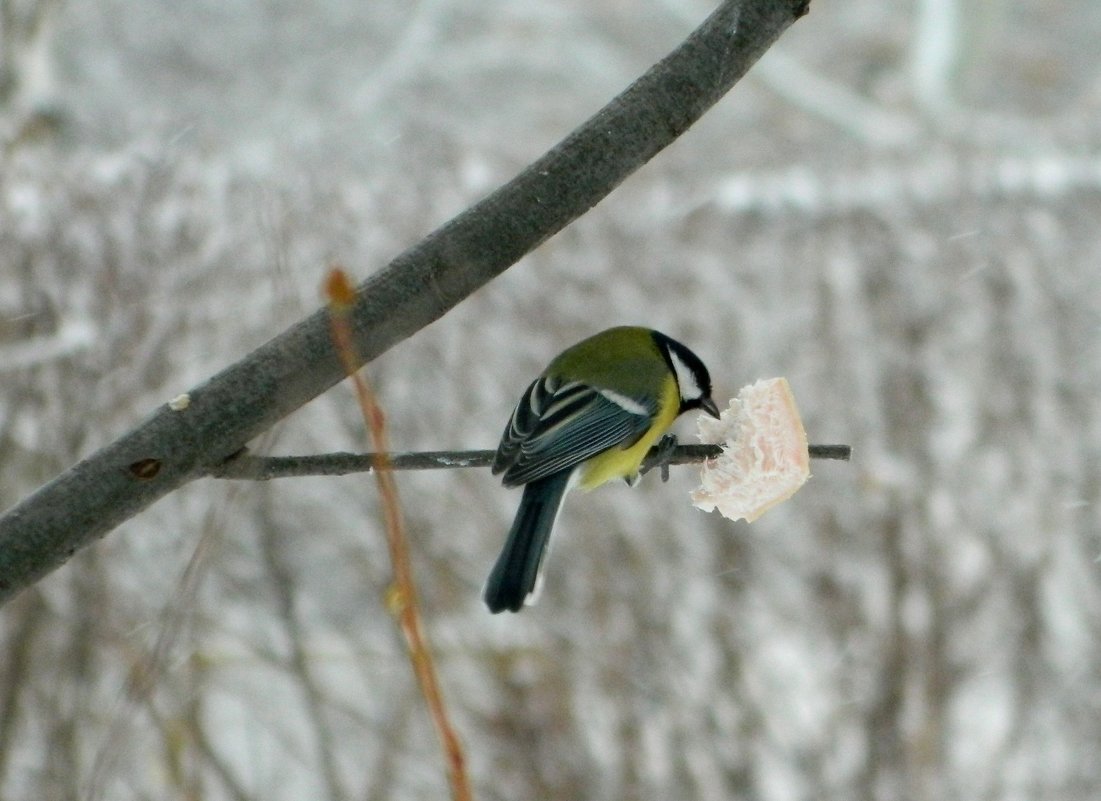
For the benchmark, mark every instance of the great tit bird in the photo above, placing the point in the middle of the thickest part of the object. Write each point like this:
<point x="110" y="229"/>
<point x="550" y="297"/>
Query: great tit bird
<point x="591" y="416"/>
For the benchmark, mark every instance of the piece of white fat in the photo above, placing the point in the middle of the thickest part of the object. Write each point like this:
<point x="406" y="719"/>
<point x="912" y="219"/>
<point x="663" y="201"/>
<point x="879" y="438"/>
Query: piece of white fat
<point x="765" y="457"/>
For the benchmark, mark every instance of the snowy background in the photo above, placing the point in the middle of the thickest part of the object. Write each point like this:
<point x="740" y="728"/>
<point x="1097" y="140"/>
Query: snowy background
<point x="899" y="210"/>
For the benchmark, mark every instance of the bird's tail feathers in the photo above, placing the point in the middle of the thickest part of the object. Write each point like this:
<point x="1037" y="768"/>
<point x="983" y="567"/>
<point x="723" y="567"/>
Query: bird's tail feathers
<point x="515" y="578"/>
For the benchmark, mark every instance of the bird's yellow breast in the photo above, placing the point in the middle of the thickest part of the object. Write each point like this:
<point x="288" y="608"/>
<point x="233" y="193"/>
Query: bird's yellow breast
<point x="624" y="462"/>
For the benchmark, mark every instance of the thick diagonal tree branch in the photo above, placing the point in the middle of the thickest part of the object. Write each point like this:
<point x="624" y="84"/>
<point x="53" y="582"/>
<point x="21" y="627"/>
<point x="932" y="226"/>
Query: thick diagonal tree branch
<point x="182" y="441"/>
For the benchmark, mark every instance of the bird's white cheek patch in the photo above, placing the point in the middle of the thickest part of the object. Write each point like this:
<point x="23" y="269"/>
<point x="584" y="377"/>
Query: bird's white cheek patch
<point x="686" y="378"/>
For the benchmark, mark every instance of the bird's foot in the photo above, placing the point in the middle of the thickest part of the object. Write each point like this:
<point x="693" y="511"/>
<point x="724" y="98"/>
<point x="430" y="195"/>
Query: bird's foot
<point x="660" y="456"/>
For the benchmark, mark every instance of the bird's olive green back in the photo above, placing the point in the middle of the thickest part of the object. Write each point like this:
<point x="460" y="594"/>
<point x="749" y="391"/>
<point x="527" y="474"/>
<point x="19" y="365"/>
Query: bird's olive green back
<point x="626" y="359"/>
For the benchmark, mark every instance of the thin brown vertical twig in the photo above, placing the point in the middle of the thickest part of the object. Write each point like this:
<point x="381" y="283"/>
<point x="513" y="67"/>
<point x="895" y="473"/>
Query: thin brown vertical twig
<point x="401" y="598"/>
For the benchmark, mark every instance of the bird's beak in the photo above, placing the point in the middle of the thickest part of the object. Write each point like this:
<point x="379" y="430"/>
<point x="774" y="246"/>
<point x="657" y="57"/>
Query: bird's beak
<point x="709" y="406"/>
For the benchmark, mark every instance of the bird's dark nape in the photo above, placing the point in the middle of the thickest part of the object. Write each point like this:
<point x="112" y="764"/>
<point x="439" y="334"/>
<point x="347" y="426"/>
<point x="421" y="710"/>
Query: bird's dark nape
<point x="516" y="572"/>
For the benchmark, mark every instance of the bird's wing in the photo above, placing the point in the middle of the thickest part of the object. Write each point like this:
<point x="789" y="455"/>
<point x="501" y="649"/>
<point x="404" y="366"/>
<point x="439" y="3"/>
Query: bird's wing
<point x="559" y="425"/>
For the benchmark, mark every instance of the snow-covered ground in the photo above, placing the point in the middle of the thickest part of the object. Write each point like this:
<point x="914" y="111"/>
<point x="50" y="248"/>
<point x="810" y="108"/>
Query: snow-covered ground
<point x="897" y="210"/>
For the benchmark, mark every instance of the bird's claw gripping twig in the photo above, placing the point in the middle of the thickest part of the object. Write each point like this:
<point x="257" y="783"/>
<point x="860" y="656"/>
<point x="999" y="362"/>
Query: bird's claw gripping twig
<point x="662" y="454"/>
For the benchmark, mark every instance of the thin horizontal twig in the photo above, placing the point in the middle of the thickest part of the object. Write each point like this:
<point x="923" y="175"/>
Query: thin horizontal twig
<point x="248" y="466"/>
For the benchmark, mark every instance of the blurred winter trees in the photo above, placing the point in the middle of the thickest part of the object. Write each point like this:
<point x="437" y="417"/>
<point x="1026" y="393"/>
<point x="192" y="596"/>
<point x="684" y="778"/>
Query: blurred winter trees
<point x="896" y="211"/>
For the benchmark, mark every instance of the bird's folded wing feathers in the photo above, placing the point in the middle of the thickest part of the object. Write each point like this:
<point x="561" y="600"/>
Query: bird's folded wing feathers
<point x="557" y="426"/>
